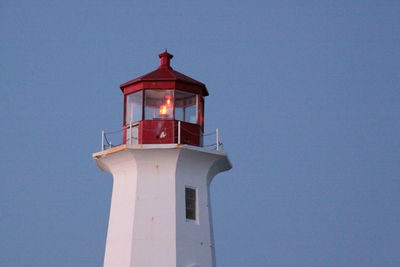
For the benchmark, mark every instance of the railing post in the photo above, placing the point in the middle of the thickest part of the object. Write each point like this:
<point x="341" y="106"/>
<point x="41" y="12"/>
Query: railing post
<point x="179" y="132"/>
<point x="131" y="134"/>
<point x="102" y="140"/>
<point x="217" y="137"/>
<point x="129" y="131"/>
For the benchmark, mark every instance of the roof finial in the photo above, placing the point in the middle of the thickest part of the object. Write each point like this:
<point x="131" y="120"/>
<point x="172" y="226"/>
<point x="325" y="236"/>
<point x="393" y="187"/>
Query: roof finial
<point x="165" y="59"/>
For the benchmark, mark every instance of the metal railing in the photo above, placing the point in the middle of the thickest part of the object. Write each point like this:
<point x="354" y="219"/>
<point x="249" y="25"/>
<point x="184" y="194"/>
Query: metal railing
<point x="132" y="137"/>
<point x="106" y="142"/>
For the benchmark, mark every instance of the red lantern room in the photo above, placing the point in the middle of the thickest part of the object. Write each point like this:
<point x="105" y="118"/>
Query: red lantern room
<point x="164" y="107"/>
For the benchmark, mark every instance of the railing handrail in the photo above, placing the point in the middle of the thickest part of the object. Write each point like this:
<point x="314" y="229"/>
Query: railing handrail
<point x="105" y="142"/>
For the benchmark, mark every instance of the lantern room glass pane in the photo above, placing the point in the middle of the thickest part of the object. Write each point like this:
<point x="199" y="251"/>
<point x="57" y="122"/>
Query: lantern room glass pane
<point x="159" y="104"/>
<point x="186" y="106"/>
<point x="133" y="107"/>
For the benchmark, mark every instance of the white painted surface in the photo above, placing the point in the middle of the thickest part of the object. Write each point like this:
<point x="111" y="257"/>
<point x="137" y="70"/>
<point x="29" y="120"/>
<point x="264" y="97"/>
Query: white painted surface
<point x="147" y="225"/>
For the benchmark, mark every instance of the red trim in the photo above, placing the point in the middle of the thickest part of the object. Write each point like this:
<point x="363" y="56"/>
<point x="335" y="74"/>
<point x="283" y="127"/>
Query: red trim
<point x="163" y="85"/>
<point x="143" y="98"/>
<point x="173" y="104"/>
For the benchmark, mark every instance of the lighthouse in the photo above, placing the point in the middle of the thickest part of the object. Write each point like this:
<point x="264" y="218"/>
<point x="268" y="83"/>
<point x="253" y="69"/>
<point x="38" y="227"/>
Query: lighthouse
<point x="160" y="213"/>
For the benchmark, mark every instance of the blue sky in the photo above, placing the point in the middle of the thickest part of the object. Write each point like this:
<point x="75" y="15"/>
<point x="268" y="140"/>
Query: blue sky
<point x="305" y="93"/>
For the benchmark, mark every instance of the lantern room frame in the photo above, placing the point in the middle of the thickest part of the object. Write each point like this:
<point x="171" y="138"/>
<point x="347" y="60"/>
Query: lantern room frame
<point x="168" y="129"/>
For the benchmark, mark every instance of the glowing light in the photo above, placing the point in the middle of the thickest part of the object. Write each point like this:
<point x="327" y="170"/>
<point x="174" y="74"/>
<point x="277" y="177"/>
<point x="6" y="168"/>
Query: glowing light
<point x="163" y="110"/>
<point x="168" y="101"/>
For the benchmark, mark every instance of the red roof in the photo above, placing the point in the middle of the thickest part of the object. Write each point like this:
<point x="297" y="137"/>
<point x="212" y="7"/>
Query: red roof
<point x="166" y="73"/>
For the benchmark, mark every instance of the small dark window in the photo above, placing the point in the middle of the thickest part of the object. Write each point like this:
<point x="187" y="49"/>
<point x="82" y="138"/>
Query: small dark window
<point x="190" y="198"/>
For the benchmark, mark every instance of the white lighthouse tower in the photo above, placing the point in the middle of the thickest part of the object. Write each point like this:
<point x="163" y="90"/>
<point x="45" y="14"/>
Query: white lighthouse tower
<point x="160" y="209"/>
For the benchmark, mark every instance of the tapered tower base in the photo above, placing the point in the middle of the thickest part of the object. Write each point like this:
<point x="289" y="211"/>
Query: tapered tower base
<point x="154" y="221"/>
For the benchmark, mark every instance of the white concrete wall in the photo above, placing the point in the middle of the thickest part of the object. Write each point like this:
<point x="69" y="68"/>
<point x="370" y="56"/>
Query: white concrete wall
<point x="195" y="244"/>
<point x="147" y="225"/>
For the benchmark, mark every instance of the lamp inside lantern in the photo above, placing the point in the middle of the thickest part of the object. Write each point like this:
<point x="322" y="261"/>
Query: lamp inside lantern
<point x="164" y="108"/>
